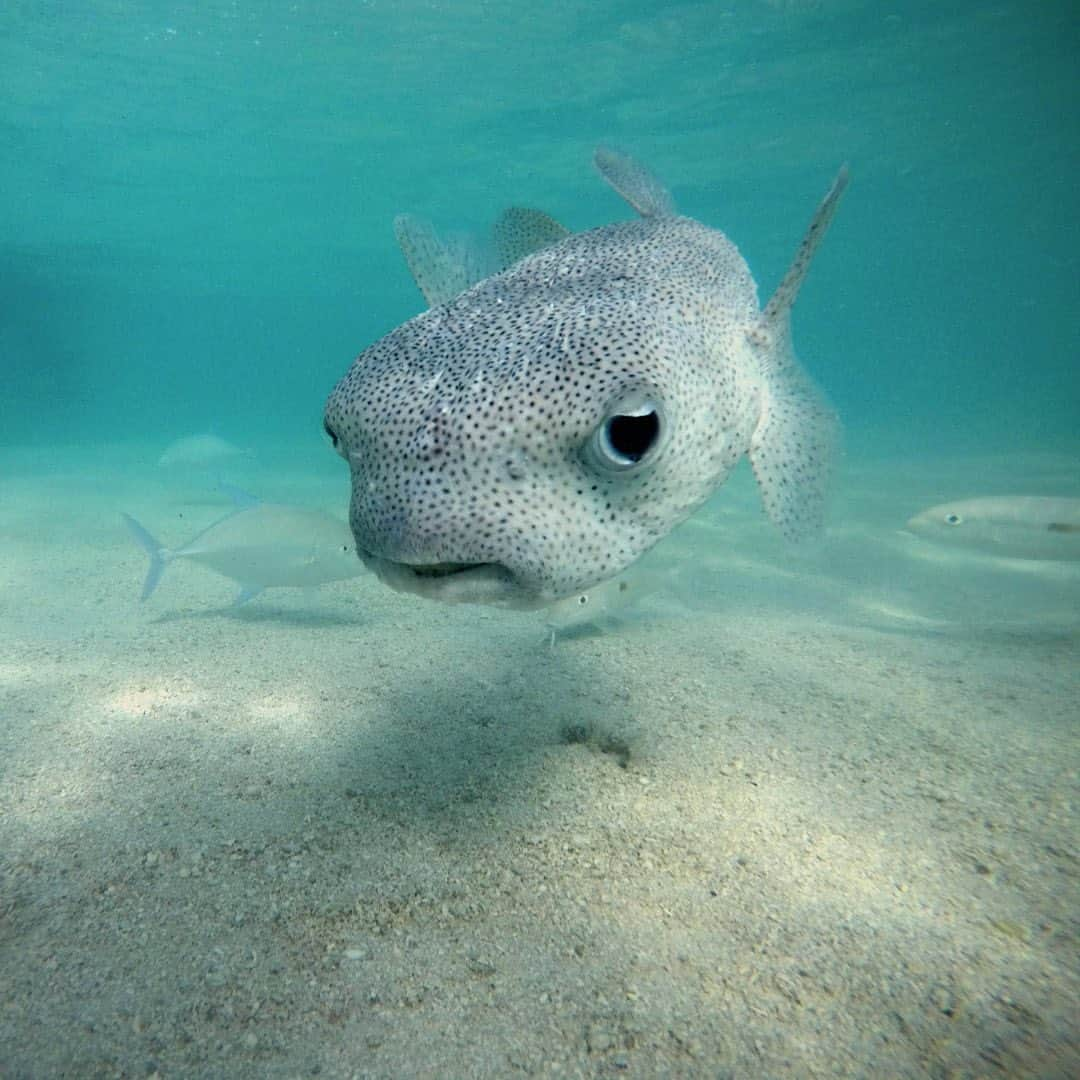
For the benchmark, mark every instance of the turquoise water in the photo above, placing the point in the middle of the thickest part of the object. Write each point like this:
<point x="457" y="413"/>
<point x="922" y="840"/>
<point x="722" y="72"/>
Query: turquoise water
<point x="197" y="198"/>
<point x="762" y="811"/>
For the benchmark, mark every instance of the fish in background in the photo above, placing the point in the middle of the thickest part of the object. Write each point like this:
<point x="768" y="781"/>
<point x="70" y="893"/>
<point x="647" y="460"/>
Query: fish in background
<point x="1009" y="526"/>
<point x="200" y="452"/>
<point x="260" y="546"/>
<point x="604" y="605"/>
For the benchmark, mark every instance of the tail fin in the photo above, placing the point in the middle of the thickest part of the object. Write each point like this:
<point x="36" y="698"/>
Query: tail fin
<point x="152" y="548"/>
<point x="778" y="309"/>
<point x="795" y="441"/>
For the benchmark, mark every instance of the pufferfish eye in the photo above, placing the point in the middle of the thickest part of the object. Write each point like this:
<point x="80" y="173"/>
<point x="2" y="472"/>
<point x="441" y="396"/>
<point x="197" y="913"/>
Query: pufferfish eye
<point x="336" y="442"/>
<point x="953" y="519"/>
<point x="631" y="431"/>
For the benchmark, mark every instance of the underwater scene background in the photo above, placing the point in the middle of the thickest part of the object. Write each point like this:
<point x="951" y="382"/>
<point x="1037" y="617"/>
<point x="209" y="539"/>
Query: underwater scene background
<point x="750" y="810"/>
<point x="199" y="197"/>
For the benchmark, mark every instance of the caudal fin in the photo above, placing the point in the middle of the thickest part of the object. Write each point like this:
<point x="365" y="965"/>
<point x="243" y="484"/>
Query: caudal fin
<point x="152" y="548"/>
<point x="778" y="309"/>
<point x="794" y="444"/>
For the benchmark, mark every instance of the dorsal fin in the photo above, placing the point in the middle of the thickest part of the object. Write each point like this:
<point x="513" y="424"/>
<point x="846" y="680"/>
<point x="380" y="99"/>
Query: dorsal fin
<point x="634" y="183"/>
<point x="519" y="231"/>
<point x="444" y="268"/>
<point x="440" y="270"/>
<point x="775" y="314"/>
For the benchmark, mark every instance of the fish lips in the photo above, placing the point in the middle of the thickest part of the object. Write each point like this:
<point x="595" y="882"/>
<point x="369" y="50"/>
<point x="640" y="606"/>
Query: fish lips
<point x="455" y="583"/>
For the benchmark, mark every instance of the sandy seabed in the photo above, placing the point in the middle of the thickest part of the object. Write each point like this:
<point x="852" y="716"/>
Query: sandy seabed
<point x="786" y="814"/>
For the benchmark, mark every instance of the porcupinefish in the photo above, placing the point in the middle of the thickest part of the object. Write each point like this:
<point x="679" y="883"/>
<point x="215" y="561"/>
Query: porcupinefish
<point x="1011" y="526"/>
<point x="535" y="434"/>
<point x="260" y="546"/>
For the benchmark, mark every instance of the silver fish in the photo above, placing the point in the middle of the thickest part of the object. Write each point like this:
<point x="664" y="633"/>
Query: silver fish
<point x="605" y="604"/>
<point x="261" y="546"/>
<point x="1010" y="526"/>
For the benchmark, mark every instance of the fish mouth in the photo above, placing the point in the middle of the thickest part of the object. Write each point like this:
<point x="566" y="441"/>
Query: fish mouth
<point x="445" y="569"/>
<point x="455" y="582"/>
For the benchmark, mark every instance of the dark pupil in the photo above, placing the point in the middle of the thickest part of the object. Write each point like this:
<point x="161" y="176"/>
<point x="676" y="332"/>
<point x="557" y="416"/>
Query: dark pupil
<point x="632" y="436"/>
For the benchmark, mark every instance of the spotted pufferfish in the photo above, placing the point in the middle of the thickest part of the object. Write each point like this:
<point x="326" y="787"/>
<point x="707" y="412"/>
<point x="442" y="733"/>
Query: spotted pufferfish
<point x="540" y="427"/>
